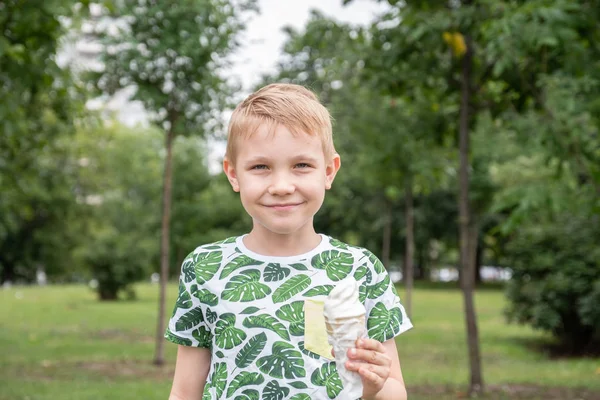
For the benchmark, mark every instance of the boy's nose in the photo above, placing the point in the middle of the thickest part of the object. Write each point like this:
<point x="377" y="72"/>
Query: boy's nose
<point x="281" y="186"/>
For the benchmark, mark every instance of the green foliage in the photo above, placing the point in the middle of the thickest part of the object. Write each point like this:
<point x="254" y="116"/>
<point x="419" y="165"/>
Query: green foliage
<point x="556" y="277"/>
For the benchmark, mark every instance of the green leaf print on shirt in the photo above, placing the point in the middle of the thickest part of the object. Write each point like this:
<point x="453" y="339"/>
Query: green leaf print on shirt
<point x="361" y="272"/>
<point x="267" y="321"/>
<point x="328" y="376"/>
<point x="184" y="300"/>
<point x="189" y="319"/>
<point x="244" y="379"/>
<point x="308" y="352"/>
<point x="245" y="287"/>
<point x="322" y="290"/>
<point x="248" y="394"/>
<point x="177" y="339"/>
<point x="227" y="241"/>
<point x="300" y="396"/>
<point x="275" y="272"/>
<point x="219" y="378"/>
<point x="211" y="316"/>
<point x="299" y="385"/>
<point x="250" y="310"/>
<point x="251" y="350"/>
<point x="378" y="289"/>
<point x="377" y="265"/>
<point x="284" y="361"/>
<point x="187" y="269"/>
<point x="237" y="263"/>
<point x="275" y="392"/>
<point x="338" y="244"/>
<point x="227" y="335"/>
<point x="299" y="267"/>
<point x="206" y="265"/>
<point x="205" y="296"/>
<point x="382" y="323"/>
<point x="294" y="314"/>
<point x="338" y="264"/>
<point x="291" y="287"/>
<point x="203" y="336"/>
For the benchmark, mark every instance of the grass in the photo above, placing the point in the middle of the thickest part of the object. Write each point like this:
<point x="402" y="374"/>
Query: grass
<point x="61" y="343"/>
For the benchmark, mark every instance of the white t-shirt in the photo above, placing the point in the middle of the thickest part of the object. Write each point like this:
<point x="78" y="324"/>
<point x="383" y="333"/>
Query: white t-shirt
<point x="248" y="309"/>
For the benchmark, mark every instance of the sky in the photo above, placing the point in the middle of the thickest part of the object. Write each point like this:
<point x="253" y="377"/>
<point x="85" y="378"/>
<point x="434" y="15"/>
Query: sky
<point x="263" y="39"/>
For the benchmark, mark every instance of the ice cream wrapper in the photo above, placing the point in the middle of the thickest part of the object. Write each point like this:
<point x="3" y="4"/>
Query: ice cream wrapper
<point x="345" y="323"/>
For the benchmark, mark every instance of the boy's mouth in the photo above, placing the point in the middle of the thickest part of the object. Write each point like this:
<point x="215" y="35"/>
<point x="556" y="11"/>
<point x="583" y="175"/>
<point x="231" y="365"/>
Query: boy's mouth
<point x="283" y="206"/>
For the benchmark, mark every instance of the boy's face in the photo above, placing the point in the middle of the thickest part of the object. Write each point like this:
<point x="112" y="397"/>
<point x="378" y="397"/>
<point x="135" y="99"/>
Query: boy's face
<point x="281" y="178"/>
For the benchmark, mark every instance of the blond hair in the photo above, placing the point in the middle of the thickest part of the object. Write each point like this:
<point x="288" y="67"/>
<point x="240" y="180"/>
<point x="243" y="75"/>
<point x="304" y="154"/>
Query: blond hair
<point x="293" y="106"/>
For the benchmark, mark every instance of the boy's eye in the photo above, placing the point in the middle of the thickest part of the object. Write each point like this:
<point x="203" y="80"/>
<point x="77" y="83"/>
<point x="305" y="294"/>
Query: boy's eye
<point x="259" y="166"/>
<point x="302" y="165"/>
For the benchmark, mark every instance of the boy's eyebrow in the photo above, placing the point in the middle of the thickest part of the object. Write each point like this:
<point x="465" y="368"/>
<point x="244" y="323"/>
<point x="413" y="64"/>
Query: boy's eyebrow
<point x="263" y="160"/>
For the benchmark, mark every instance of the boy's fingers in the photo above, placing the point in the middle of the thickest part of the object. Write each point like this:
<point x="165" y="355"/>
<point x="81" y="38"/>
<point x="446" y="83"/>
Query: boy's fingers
<point x="370" y="357"/>
<point x="370" y="344"/>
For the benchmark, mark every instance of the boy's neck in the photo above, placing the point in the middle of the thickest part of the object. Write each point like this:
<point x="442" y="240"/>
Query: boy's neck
<point x="267" y="243"/>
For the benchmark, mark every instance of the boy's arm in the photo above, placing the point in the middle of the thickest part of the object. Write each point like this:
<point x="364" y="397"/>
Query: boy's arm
<point x="394" y="386"/>
<point x="191" y="370"/>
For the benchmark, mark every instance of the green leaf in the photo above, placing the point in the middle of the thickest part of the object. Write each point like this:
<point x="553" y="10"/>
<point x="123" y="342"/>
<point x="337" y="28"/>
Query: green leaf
<point x="207" y="297"/>
<point x="227" y="335"/>
<point x="378" y="289"/>
<point x="322" y="290"/>
<point x="328" y="376"/>
<point x="291" y="287"/>
<point x="206" y="265"/>
<point x="338" y="264"/>
<point x="284" y="361"/>
<point x="251" y="350"/>
<point x="273" y="391"/>
<point x="298" y="385"/>
<point x="211" y="316"/>
<point x="300" y="396"/>
<point x="238" y="262"/>
<point x="338" y="244"/>
<point x="244" y="379"/>
<point x="246" y="287"/>
<point x="176" y="339"/>
<point x="203" y="336"/>
<point x="219" y="378"/>
<point x="187" y="269"/>
<point x="220" y="354"/>
<point x="250" y="310"/>
<point x="361" y="272"/>
<point x="248" y="394"/>
<point x="266" y="321"/>
<point x="227" y="241"/>
<point x="184" y="300"/>
<point x="308" y="352"/>
<point x="377" y="265"/>
<point x="294" y="314"/>
<point x="299" y="267"/>
<point x="275" y="272"/>
<point x="384" y="324"/>
<point x="189" y="319"/>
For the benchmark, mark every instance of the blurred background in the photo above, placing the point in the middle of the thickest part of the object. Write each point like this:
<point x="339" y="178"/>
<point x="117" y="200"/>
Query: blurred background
<point x="470" y="138"/>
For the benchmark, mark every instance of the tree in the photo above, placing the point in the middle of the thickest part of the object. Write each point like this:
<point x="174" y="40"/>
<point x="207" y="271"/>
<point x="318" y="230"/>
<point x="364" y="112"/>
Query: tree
<point x="171" y="54"/>
<point x="39" y="105"/>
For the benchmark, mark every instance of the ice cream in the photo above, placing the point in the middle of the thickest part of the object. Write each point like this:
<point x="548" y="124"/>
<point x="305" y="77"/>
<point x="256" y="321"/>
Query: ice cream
<point x="345" y="322"/>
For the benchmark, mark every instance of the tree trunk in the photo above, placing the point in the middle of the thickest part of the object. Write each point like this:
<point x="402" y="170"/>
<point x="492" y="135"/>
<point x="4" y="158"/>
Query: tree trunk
<point x="467" y="227"/>
<point x="164" y="247"/>
<point x="410" y="246"/>
<point x="387" y="234"/>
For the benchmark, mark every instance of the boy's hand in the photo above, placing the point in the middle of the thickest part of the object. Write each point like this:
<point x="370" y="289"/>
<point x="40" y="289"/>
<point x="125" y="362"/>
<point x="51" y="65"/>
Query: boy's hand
<point x="370" y="360"/>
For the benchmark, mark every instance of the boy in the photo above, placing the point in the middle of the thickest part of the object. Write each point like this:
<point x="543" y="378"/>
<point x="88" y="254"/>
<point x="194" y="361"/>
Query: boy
<point x="239" y="319"/>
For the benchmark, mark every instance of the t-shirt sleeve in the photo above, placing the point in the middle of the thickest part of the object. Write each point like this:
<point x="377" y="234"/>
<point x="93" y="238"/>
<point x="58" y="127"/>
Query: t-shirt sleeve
<point x="189" y="324"/>
<point x="386" y="316"/>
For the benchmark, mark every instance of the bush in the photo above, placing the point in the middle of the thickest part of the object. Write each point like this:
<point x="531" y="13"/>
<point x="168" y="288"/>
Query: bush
<point x="555" y="285"/>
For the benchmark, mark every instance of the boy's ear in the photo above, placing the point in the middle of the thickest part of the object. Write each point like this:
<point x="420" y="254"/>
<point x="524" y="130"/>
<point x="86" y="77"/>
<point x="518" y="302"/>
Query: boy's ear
<point x="229" y="170"/>
<point x="331" y="169"/>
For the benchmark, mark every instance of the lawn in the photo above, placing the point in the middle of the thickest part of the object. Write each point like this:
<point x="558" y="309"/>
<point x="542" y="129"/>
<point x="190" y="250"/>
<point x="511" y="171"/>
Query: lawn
<point x="61" y="343"/>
